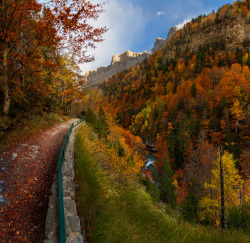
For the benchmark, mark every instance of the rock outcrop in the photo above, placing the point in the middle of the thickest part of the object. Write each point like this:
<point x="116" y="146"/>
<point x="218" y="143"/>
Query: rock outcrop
<point x="159" y="42"/>
<point x="171" y="32"/>
<point x="119" y="62"/>
<point x="228" y="35"/>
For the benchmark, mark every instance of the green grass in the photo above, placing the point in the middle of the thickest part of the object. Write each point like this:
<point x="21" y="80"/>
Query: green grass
<point x="126" y="213"/>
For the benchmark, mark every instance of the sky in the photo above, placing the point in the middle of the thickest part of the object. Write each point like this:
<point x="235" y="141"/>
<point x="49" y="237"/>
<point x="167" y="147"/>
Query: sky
<point x="135" y="24"/>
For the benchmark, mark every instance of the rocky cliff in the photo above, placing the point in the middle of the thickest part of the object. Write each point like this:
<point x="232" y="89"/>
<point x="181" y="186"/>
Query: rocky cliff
<point x="171" y="32"/>
<point x="119" y="62"/>
<point x="123" y="61"/>
<point x="159" y="43"/>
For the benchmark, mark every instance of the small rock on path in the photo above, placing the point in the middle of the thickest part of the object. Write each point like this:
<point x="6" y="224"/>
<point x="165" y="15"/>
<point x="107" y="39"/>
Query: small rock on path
<point x="26" y="175"/>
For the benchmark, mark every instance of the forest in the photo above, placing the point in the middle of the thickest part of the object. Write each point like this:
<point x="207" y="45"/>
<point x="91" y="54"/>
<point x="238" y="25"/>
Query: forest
<point x="193" y="108"/>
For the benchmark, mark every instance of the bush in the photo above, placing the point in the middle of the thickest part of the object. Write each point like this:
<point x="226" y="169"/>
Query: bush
<point x="239" y="218"/>
<point x="152" y="190"/>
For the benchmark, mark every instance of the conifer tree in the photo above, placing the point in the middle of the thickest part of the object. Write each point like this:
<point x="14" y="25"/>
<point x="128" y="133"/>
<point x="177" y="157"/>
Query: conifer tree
<point x="166" y="185"/>
<point x="103" y="124"/>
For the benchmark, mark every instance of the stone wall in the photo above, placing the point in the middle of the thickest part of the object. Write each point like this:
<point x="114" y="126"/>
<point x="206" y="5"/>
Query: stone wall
<point x="72" y="220"/>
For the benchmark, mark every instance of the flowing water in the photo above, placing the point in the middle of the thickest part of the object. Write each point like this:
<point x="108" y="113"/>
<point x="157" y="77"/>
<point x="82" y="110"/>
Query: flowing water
<point x="150" y="160"/>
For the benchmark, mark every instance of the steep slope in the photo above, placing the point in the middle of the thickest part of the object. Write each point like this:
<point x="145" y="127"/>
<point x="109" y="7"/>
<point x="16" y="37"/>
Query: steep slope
<point x="122" y="211"/>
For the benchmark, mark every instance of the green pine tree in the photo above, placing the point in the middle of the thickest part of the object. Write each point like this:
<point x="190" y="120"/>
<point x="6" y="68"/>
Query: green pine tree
<point x="166" y="186"/>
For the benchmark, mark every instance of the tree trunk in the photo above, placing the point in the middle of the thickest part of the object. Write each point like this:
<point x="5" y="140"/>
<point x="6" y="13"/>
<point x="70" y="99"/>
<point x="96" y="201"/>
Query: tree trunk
<point x="6" y="89"/>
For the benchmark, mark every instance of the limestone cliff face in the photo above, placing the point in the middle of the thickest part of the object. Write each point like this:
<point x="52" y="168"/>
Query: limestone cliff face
<point x="159" y="42"/>
<point x="118" y="63"/>
<point x="171" y="32"/>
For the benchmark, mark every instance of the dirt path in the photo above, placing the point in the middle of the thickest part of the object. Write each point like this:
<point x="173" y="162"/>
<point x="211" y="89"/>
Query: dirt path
<point x="26" y="174"/>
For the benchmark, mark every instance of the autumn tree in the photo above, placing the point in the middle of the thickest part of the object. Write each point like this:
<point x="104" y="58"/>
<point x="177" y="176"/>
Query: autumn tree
<point x="200" y="163"/>
<point x="66" y="85"/>
<point x="181" y="187"/>
<point x="238" y="114"/>
<point x="29" y="33"/>
<point x="161" y="147"/>
<point x="233" y="185"/>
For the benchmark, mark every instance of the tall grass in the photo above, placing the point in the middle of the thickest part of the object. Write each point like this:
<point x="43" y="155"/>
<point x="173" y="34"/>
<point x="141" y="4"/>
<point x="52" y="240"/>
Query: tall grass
<point x="126" y="213"/>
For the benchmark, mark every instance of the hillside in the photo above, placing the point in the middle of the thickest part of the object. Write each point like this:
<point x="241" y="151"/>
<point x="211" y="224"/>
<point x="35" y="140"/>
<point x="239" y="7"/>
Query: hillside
<point x="187" y="100"/>
<point x="224" y="29"/>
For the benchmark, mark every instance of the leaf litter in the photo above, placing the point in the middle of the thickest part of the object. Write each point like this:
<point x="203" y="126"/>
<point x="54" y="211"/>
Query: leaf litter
<point x="26" y="174"/>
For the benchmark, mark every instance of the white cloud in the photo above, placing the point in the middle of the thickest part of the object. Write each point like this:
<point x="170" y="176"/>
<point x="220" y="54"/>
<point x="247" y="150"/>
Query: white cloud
<point x="180" y="25"/>
<point x="125" y="23"/>
<point x="160" y="13"/>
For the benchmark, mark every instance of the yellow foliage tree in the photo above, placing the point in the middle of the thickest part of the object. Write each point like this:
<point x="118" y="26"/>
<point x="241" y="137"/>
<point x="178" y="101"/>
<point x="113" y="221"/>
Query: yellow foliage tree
<point x="233" y="186"/>
<point x="238" y="113"/>
<point x="245" y="59"/>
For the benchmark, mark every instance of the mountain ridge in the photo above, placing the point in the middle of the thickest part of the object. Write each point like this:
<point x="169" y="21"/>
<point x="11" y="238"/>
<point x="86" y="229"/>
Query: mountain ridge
<point x="120" y="62"/>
